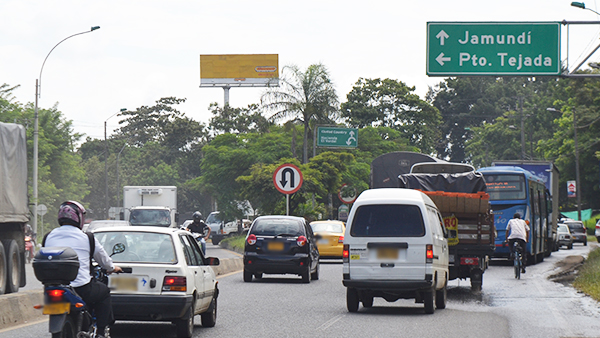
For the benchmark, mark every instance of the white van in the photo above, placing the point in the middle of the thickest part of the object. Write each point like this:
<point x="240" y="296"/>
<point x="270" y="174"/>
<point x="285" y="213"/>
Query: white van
<point x="395" y="247"/>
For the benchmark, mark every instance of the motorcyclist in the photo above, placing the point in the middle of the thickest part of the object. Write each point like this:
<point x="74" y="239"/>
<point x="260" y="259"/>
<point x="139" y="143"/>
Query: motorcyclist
<point x="198" y="226"/>
<point x="71" y="216"/>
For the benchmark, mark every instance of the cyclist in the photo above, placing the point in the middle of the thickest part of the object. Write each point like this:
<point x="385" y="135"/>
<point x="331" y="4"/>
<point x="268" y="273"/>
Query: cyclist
<point x="519" y="232"/>
<point x="71" y="216"/>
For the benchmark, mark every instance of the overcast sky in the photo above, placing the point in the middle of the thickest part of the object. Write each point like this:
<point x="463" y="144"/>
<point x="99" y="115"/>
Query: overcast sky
<point x="149" y="49"/>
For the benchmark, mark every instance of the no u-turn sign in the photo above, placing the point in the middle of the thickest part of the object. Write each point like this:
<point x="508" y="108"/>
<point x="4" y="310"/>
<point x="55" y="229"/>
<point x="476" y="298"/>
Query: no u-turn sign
<point x="287" y="178"/>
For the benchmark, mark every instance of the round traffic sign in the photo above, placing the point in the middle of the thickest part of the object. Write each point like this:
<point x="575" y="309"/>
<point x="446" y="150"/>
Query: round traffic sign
<point x="42" y="209"/>
<point x="287" y="178"/>
<point x="347" y="194"/>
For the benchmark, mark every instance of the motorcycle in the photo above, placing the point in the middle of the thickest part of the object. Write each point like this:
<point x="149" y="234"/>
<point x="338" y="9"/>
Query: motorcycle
<point x="56" y="267"/>
<point x="29" y="248"/>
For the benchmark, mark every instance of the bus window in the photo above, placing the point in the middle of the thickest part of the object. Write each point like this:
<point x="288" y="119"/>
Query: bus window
<point x="505" y="186"/>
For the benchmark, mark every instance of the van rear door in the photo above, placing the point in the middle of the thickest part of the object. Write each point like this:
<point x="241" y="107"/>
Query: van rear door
<point x="387" y="241"/>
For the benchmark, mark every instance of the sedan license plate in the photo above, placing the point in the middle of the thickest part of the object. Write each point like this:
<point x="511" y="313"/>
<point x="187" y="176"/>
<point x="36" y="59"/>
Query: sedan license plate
<point x="275" y="246"/>
<point x="323" y="241"/>
<point x="387" y="253"/>
<point x="124" y="284"/>
<point x="56" y="308"/>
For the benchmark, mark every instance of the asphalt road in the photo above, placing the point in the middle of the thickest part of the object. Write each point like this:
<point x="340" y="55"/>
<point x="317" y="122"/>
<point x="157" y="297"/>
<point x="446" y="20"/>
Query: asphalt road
<point x="283" y="307"/>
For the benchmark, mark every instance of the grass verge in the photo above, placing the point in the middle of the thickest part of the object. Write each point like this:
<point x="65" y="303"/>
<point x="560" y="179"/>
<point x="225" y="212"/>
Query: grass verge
<point x="234" y="243"/>
<point x="588" y="278"/>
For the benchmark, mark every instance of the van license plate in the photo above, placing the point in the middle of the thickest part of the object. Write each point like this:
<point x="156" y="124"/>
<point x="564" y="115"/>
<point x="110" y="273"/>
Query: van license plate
<point x="387" y="253"/>
<point x="275" y="246"/>
<point x="124" y="284"/>
<point x="56" y="308"/>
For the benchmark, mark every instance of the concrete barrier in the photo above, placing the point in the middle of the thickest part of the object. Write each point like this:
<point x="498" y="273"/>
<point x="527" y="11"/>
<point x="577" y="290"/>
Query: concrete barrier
<point x="17" y="308"/>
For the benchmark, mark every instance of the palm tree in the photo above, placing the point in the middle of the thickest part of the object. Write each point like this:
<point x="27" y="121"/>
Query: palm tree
<point x="306" y="96"/>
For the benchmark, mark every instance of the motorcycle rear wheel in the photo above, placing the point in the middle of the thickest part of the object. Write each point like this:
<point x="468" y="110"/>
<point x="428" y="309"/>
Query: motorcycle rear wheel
<point x="68" y="330"/>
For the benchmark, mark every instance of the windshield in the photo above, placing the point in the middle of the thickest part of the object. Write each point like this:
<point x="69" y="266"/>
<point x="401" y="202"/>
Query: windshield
<point x="214" y="217"/>
<point x="388" y="220"/>
<point x="563" y="228"/>
<point x="327" y="227"/>
<point x="150" y="217"/>
<point x="145" y="247"/>
<point x="505" y="186"/>
<point x="277" y="227"/>
<point x="574" y="225"/>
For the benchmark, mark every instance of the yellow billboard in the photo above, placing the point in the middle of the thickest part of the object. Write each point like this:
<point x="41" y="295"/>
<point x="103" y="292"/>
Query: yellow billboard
<point x="239" y="70"/>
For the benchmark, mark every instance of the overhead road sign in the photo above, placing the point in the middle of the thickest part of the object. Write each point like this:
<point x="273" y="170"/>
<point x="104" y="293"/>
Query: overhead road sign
<point x="287" y="178"/>
<point x="239" y="70"/>
<point x="493" y="48"/>
<point x="337" y="137"/>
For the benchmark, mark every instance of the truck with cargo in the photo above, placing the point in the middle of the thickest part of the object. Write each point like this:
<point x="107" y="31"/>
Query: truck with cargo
<point x="549" y="174"/>
<point x="14" y="208"/>
<point x="150" y="205"/>
<point x="462" y="199"/>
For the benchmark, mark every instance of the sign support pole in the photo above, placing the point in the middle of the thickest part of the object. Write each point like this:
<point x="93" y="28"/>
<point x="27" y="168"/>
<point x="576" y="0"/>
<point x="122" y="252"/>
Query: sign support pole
<point x="287" y="204"/>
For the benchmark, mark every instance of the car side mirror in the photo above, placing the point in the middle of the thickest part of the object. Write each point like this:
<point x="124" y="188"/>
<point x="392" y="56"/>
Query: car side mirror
<point x="213" y="261"/>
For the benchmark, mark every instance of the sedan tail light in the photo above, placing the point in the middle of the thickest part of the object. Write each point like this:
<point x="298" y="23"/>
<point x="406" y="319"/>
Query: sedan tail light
<point x="301" y="241"/>
<point x="341" y="239"/>
<point x="174" y="283"/>
<point x="252" y="239"/>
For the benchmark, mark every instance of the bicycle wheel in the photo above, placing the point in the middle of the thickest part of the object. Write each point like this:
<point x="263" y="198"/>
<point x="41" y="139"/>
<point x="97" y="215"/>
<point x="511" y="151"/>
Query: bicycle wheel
<point x="517" y="265"/>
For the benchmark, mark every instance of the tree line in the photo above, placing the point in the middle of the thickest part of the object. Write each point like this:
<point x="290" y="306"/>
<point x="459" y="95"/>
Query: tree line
<point x="232" y="157"/>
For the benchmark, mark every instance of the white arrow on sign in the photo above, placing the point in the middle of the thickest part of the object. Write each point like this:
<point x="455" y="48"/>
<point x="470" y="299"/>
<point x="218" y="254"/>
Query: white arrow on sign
<point x="442" y="35"/>
<point x="440" y="59"/>
<point x="287" y="178"/>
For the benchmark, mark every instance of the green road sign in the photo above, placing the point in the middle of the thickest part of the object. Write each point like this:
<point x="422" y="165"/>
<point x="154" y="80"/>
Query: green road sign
<point x="337" y="137"/>
<point x="493" y="48"/>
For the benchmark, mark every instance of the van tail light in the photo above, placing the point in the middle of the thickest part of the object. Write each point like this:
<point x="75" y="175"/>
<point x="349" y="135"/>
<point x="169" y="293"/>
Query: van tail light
<point x="341" y="239"/>
<point x="301" y="241"/>
<point x="252" y="239"/>
<point x="429" y="253"/>
<point x="55" y="295"/>
<point x="346" y="253"/>
<point x="174" y="283"/>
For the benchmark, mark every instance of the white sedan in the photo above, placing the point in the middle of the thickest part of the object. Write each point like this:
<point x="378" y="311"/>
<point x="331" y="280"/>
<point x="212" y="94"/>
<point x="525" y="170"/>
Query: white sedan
<point x="166" y="277"/>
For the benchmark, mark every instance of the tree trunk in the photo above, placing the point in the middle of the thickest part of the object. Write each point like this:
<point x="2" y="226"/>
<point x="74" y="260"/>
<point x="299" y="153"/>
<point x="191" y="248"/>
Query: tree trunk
<point x="305" y="143"/>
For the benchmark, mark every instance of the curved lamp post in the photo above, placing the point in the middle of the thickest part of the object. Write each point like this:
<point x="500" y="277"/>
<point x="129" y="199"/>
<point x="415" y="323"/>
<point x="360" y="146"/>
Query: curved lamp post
<point x="577" y="183"/>
<point x="38" y="89"/>
<point x="582" y="6"/>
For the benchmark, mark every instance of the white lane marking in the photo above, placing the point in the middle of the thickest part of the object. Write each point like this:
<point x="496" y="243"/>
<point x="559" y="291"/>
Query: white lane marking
<point x="330" y="322"/>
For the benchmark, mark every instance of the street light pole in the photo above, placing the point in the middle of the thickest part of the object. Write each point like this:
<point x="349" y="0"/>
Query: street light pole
<point x="38" y="87"/>
<point x="577" y="180"/>
<point x="106" y="163"/>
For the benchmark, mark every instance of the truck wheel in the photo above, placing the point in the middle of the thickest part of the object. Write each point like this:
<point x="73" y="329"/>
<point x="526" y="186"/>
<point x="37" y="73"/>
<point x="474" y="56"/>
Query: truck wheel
<point x="476" y="280"/>
<point x="352" y="299"/>
<point x="13" y="264"/>
<point x="429" y="299"/>
<point x="3" y="269"/>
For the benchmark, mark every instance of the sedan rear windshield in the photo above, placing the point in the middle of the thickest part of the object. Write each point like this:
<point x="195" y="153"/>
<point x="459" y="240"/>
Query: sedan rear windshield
<point x="575" y="225"/>
<point x="144" y="247"/>
<point x="388" y="220"/>
<point x="327" y="227"/>
<point x="277" y="227"/>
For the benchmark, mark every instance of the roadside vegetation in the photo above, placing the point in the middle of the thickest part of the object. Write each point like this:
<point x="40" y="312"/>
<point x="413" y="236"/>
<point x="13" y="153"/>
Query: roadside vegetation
<point x="588" y="277"/>
<point x="234" y="243"/>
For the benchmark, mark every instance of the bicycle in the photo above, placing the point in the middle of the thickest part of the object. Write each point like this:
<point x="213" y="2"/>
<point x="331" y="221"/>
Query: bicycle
<point x="517" y="259"/>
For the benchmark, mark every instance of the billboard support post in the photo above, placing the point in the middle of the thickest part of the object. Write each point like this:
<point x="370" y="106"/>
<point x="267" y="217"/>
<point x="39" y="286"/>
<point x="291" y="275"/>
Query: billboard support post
<point x="226" y="92"/>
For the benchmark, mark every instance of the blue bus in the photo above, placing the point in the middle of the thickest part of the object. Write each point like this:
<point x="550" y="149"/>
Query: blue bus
<point x="516" y="190"/>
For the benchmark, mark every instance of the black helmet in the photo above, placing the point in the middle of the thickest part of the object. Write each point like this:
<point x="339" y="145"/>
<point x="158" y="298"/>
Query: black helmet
<point x="197" y="216"/>
<point x="72" y="213"/>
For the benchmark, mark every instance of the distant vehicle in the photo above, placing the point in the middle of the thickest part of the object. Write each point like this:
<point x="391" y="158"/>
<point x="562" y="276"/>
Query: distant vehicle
<point x="564" y="237"/>
<point x="150" y="205"/>
<point x="93" y="225"/>
<point x="395" y="247"/>
<point x="597" y="231"/>
<point x="578" y="231"/>
<point x="281" y="245"/>
<point x="331" y="244"/>
<point x="166" y="277"/>
<point x="221" y="228"/>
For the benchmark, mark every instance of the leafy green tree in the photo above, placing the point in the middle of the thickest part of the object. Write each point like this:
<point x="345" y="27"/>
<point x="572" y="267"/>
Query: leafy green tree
<point x="237" y="120"/>
<point x="391" y="103"/>
<point x="308" y="96"/>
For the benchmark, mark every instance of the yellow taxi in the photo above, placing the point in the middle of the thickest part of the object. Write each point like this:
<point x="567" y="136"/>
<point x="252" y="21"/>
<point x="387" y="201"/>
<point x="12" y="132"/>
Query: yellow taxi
<point x="331" y="243"/>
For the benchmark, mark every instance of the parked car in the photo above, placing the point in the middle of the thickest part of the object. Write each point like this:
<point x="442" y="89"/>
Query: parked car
<point x="166" y="277"/>
<point x="395" y="247"/>
<point x="93" y="225"/>
<point x="597" y="231"/>
<point x="578" y="231"/>
<point x="564" y="236"/>
<point x="331" y="244"/>
<point x="221" y="228"/>
<point x="281" y="245"/>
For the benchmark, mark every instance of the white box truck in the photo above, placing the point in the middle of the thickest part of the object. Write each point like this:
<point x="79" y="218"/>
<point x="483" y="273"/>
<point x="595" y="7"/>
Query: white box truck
<point x="150" y="205"/>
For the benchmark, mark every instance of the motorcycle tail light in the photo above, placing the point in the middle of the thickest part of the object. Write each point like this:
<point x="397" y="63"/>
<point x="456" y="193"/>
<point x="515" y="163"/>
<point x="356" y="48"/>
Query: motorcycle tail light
<point x="55" y="295"/>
